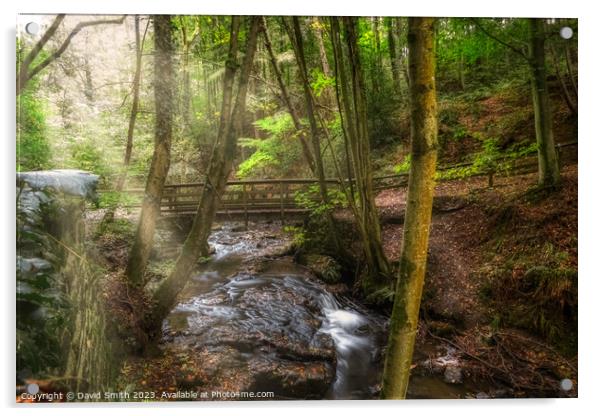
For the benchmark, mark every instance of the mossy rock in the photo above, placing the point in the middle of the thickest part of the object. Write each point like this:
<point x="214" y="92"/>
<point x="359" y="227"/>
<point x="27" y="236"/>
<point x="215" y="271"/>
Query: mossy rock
<point x="325" y="267"/>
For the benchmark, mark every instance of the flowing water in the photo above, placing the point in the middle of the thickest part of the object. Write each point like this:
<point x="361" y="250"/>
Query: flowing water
<point x="283" y="327"/>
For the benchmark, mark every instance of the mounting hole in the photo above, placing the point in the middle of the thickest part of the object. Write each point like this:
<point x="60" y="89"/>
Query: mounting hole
<point x="566" y="32"/>
<point x="566" y="384"/>
<point x="33" y="388"/>
<point x="32" y="28"/>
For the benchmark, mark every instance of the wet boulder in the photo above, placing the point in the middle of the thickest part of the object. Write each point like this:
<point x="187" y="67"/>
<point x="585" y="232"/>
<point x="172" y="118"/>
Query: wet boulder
<point x="262" y="332"/>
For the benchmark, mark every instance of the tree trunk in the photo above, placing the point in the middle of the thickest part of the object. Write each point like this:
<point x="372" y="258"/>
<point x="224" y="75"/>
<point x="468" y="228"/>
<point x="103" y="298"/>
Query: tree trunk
<point x="188" y="42"/>
<point x="549" y="173"/>
<point x="376" y="67"/>
<point x="220" y="167"/>
<point x="297" y="41"/>
<point x="286" y="98"/>
<point x="461" y="71"/>
<point x="361" y="153"/>
<point x="354" y="119"/>
<point x="569" y="68"/>
<point x="26" y="72"/>
<point x="151" y="205"/>
<point x="319" y="35"/>
<point x="400" y="30"/>
<point x="404" y="317"/>
<point x="393" y="57"/>
<point x="135" y="104"/>
<point x="565" y="90"/>
<point x="110" y="213"/>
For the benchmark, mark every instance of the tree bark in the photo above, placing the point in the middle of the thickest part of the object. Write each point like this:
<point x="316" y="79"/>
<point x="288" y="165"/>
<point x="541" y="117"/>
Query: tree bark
<point x="135" y="104"/>
<point x="395" y="63"/>
<point x="286" y="98"/>
<point x="404" y="317"/>
<point x="220" y="167"/>
<point x="188" y="42"/>
<point x="354" y="118"/>
<point x="110" y="213"/>
<point x="319" y="35"/>
<point x="549" y="172"/>
<point x="151" y="205"/>
<point x="565" y="91"/>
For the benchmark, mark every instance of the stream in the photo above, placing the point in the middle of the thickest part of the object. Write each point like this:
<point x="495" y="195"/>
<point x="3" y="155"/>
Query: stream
<point x="264" y="323"/>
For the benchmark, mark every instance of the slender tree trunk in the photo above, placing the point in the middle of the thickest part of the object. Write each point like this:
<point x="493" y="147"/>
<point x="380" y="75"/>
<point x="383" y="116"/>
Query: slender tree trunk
<point x="565" y="91"/>
<point x="151" y="205"/>
<point x="188" y="42"/>
<point x="319" y="35"/>
<point x="569" y="68"/>
<point x="135" y="104"/>
<point x="393" y="57"/>
<point x="361" y="154"/>
<point x="110" y="213"/>
<point x="297" y="41"/>
<point x="400" y="33"/>
<point x="286" y="98"/>
<point x="220" y="167"/>
<point x="26" y="72"/>
<point x="461" y="71"/>
<point x="376" y="68"/>
<point x="549" y="172"/>
<point x="404" y="317"/>
<point x="356" y="131"/>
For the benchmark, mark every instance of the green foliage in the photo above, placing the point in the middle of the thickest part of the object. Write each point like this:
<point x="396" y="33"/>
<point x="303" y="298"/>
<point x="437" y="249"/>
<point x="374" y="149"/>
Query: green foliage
<point x="85" y="155"/>
<point x="275" y="155"/>
<point x="311" y="200"/>
<point x="487" y="159"/>
<point x="491" y="159"/>
<point x="162" y="268"/>
<point x="262" y="159"/>
<point x="119" y="227"/>
<point x="404" y="167"/>
<point x="33" y="150"/>
<point x="298" y="234"/>
<point x="112" y="199"/>
<point x="320" y="82"/>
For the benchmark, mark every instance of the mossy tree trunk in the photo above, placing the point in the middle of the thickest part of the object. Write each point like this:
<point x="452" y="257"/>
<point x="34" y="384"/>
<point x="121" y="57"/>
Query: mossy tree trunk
<point x="220" y="166"/>
<point x="151" y="204"/>
<point x="404" y="317"/>
<point x="549" y="172"/>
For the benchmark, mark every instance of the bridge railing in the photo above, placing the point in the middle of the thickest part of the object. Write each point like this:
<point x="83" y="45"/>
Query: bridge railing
<point x="278" y="196"/>
<point x="253" y="196"/>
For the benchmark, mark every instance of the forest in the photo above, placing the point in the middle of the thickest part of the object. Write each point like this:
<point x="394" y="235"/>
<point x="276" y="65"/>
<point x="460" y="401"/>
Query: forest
<point x="294" y="207"/>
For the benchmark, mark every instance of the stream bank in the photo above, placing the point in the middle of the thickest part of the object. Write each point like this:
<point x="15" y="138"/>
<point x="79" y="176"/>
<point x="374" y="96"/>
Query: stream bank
<point x="253" y="320"/>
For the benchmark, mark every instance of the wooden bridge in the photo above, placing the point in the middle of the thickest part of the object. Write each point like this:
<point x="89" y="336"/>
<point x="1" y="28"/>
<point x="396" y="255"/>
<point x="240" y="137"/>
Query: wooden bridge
<point x="279" y="197"/>
<point x="261" y="197"/>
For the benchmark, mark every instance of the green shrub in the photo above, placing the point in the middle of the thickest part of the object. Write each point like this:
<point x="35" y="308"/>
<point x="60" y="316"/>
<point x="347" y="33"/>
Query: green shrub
<point x="33" y="150"/>
<point x="274" y="156"/>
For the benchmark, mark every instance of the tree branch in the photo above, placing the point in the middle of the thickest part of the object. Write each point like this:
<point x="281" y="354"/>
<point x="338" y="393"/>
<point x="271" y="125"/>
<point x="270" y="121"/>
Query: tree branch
<point x="25" y="74"/>
<point x="492" y="36"/>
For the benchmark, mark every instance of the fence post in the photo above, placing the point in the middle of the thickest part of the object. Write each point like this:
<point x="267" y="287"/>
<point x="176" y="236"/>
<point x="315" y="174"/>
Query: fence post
<point x="244" y="202"/>
<point x="282" y="202"/>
